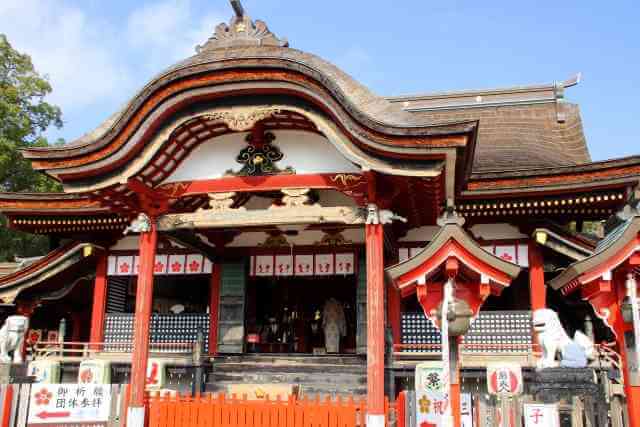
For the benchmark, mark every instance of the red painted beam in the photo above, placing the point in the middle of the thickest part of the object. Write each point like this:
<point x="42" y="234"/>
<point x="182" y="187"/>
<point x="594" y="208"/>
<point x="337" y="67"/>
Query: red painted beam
<point x="99" y="300"/>
<point x="594" y="288"/>
<point x="341" y="182"/>
<point x="214" y="308"/>
<point x="144" y="300"/>
<point x="375" y="321"/>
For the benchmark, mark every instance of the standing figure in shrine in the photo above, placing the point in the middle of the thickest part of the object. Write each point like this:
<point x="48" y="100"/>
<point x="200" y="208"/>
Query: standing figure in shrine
<point x="334" y="324"/>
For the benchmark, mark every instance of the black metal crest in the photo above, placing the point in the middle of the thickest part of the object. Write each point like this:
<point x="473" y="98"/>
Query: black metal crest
<point x="260" y="156"/>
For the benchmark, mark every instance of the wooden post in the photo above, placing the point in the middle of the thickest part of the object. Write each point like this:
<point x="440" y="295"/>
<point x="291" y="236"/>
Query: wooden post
<point x="394" y="315"/>
<point x="455" y="380"/>
<point x="214" y="308"/>
<point x="144" y="300"/>
<point x="537" y="288"/>
<point x="375" y="325"/>
<point x="99" y="301"/>
<point x="632" y="392"/>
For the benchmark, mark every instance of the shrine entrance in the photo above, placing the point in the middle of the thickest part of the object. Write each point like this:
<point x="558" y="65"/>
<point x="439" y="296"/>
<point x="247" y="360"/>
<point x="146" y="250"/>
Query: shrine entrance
<point x="306" y="315"/>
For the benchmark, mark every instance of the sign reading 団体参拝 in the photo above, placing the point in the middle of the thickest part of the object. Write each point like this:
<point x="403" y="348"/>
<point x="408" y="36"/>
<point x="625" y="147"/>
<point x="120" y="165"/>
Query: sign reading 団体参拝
<point x="538" y="415"/>
<point x="431" y="396"/>
<point x="69" y="404"/>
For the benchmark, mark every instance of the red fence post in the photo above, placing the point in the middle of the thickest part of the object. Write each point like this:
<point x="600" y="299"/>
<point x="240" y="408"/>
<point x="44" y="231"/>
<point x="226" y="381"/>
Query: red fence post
<point x="401" y="408"/>
<point x="6" y="405"/>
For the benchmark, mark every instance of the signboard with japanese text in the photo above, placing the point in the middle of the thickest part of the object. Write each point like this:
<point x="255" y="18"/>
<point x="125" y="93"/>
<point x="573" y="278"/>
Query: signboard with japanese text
<point x="466" y="410"/>
<point x="431" y="396"/>
<point x="538" y="415"/>
<point x="65" y="404"/>
<point x="504" y="379"/>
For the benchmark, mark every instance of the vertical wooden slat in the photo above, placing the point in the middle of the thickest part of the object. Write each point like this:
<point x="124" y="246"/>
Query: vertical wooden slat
<point x="125" y="404"/>
<point x="23" y="412"/>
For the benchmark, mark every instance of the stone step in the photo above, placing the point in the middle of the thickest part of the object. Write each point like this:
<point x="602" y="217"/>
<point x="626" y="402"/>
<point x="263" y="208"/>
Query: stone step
<point x="311" y="369"/>
<point x="324" y="375"/>
<point x="310" y="391"/>
<point x="288" y="358"/>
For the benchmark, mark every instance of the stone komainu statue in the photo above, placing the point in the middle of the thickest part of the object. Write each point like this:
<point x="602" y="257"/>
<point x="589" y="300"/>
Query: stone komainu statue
<point x="574" y="353"/>
<point x="12" y="338"/>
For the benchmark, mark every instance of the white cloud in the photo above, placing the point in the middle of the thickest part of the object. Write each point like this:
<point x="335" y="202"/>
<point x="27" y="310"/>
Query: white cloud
<point x="92" y="61"/>
<point x="77" y="54"/>
<point x="169" y="30"/>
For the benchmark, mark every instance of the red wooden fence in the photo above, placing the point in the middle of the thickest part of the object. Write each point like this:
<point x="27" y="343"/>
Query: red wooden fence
<point x="222" y="411"/>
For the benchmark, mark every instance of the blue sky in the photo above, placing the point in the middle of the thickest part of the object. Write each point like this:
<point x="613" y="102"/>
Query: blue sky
<point x="98" y="54"/>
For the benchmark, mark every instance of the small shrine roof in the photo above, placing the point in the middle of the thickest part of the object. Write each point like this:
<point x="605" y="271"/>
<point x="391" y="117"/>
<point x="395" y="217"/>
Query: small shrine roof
<point x="43" y="269"/>
<point x="620" y="243"/>
<point x="499" y="270"/>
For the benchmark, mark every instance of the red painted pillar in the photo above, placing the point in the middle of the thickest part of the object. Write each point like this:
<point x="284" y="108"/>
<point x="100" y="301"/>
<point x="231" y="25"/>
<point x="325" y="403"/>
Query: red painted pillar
<point x="537" y="287"/>
<point x="375" y="325"/>
<point x="99" y="301"/>
<point x="214" y="304"/>
<point x="393" y="310"/>
<point x="631" y="391"/>
<point x="144" y="300"/>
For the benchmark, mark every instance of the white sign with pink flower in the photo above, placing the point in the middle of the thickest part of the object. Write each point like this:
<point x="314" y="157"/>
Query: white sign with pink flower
<point x="62" y="404"/>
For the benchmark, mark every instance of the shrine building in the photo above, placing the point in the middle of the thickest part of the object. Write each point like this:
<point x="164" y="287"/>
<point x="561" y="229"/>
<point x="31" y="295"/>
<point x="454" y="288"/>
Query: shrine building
<point x="257" y="199"/>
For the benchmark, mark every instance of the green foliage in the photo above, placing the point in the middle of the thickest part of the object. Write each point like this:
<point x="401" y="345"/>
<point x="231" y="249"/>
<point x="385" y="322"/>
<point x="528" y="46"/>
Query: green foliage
<point x="24" y="116"/>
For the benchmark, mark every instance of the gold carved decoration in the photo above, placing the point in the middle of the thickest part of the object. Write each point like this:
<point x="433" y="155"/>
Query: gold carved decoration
<point x="335" y="238"/>
<point x="295" y="197"/>
<point x="221" y="202"/>
<point x="346" y="179"/>
<point x="275" y="241"/>
<point x="242" y="119"/>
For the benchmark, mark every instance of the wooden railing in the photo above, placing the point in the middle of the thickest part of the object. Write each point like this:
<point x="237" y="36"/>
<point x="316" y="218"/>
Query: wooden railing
<point x="222" y="411"/>
<point x="86" y="350"/>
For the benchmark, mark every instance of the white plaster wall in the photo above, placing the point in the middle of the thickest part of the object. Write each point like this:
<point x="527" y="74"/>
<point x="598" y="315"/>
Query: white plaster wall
<point x="499" y="231"/>
<point x="303" y="151"/>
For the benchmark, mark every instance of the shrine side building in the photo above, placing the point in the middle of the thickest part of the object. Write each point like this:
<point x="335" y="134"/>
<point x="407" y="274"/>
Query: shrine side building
<point x="257" y="199"/>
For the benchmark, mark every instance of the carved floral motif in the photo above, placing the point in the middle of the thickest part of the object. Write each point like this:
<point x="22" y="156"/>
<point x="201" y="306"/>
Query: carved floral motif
<point x="241" y="120"/>
<point x="241" y="31"/>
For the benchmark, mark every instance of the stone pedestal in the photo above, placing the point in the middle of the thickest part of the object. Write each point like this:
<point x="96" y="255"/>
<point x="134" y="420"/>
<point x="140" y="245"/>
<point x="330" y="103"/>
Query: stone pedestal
<point x="561" y="385"/>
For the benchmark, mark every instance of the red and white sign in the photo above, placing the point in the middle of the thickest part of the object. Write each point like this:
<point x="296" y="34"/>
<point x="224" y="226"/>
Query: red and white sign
<point x="538" y="415"/>
<point x="345" y="264"/>
<point x="432" y="398"/>
<point x="516" y="253"/>
<point x="323" y="264"/>
<point x="504" y="379"/>
<point x="264" y="265"/>
<point x="129" y="265"/>
<point x="61" y="404"/>
<point x="304" y="265"/>
<point x="284" y="265"/>
<point x="466" y="410"/>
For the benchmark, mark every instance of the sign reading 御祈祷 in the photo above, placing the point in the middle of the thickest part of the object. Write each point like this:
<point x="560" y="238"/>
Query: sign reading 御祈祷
<point x="63" y="404"/>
